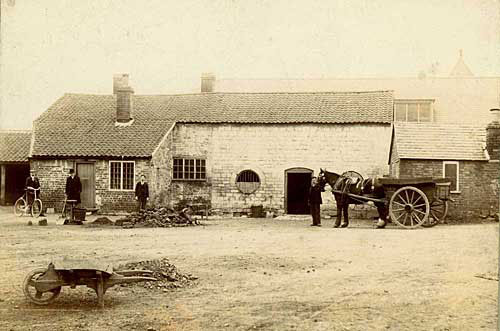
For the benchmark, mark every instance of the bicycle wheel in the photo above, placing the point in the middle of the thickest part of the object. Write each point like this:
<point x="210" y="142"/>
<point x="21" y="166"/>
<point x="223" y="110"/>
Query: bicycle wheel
<point x="20" y="207"/>
<point x="36" y="208"/>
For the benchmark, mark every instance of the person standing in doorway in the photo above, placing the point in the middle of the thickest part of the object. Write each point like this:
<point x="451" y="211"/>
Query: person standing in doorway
<point x="315" y="202"/>
<point x="142" y="193"/>
<point x="73" y="187"/>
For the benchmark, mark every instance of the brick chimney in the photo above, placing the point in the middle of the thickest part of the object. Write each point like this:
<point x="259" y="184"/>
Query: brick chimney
<point x="123" y="94"/>
<point x="207" y="82"/>
<point x="493" y="135"/>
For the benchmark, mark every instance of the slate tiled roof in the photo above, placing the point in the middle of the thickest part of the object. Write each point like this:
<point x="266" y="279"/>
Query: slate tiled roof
<point x="84" y="125"/>
<point x="14" y="145"/>
<point x="439" y="141"/>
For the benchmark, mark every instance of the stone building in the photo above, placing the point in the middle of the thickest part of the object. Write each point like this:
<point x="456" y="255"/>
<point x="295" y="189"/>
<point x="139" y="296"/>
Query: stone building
<point x="14" y="164"/>
<point x="229" y="150"/>
<point x="459" y="97"/>
<point x="468" y="155"/>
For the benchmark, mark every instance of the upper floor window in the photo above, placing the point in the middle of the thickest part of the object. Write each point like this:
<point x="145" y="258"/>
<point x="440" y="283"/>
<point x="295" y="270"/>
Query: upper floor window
<point x="190" y="169"/>
<point x="121" y="175"/>
<point x="413" y="110"/>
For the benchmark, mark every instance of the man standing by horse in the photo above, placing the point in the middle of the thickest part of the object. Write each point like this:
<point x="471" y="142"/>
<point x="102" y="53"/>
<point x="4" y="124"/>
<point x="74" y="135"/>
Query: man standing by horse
<point x="315" y="201"/>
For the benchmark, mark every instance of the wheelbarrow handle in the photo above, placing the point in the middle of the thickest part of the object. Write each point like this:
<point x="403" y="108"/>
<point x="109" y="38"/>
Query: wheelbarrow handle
<point x="119" y="279"/>
<point x="133" y="272"/>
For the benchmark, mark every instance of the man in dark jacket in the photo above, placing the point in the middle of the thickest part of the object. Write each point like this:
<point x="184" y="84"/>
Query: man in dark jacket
<point x="73" y="187"/>
<point x="30" y="184"/>
<point x="315" y="201"/>
<point x="142" y="193"/>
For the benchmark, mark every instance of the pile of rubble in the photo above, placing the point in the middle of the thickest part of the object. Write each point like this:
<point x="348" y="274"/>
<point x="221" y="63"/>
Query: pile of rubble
<point x="157" y="217"/>
<point x="167" y="275"/>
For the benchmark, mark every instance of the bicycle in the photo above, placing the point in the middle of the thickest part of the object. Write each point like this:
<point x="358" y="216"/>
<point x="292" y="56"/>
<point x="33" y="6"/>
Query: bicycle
<point x="21" y="207"/>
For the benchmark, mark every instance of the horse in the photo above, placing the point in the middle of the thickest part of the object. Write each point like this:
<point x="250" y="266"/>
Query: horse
<point x="352" y="182"/>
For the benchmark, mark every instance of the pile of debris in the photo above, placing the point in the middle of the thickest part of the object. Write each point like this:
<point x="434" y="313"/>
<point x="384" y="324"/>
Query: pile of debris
<point x="167" y="275"/>
<point x="158" y="217"/>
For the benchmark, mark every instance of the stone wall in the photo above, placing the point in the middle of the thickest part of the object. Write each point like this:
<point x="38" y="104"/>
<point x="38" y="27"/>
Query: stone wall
<point x="269" y="150"/>
<point x="478" y="185"/>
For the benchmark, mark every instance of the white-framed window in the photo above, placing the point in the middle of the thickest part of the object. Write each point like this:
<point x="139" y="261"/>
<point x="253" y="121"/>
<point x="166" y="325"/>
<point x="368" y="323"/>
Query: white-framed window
<point x="121" y="175"/>
<point x="247" y="181"/>
<point x="451" y="170"/>
<point x="418" y="110"/>
<point x="189" y="169"/>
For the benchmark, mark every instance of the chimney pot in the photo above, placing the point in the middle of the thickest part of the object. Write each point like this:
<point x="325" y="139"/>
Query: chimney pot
<point x="207" y="82"/>
<point x="119" y="81"/>
<point x="496" y="114"/>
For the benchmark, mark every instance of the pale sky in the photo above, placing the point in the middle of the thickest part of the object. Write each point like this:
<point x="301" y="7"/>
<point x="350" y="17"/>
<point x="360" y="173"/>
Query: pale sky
<point x="49" y="48"/>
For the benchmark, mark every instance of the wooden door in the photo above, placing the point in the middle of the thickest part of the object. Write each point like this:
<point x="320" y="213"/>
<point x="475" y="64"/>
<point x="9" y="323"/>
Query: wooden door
<point x="87" y="176"/>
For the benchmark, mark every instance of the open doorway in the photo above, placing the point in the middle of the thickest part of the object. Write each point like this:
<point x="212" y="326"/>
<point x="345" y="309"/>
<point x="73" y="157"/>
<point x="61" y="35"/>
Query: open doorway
<point x="297" y="183"/>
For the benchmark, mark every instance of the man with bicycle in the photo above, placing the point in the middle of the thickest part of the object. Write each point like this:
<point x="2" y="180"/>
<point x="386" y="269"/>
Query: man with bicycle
<point x="32" y="183"/>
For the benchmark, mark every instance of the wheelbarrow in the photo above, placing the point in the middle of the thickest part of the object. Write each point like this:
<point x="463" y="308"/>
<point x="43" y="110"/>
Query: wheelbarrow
<point x="43" y="285"/>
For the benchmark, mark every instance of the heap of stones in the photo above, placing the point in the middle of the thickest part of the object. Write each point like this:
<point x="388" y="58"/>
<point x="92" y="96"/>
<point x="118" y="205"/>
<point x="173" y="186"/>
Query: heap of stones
<point x="167" y="275"/>
<point x="156" y="217"/>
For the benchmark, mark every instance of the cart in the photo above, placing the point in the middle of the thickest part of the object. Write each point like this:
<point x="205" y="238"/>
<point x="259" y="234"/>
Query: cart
<point x="412" y="202"/>
<point x="43" y="285"/>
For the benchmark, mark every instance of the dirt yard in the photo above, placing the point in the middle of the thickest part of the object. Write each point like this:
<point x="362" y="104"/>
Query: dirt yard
<point x="263" y="274"/>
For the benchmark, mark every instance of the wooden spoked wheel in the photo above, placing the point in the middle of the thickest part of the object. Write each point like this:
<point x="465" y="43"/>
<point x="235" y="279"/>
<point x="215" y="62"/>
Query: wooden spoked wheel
<point x="39" y="298"/>
<point x="409" y="207"/>
<point x="439" y="209"/>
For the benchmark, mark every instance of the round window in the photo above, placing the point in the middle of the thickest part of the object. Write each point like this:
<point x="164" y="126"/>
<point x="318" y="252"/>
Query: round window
<point x="247" y="181"/>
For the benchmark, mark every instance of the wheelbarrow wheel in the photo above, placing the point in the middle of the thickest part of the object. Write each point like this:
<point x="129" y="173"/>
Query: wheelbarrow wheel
<point x="38" y="298"/>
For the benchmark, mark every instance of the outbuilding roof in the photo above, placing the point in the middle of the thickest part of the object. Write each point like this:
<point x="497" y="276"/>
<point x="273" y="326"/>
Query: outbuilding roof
<point x="439" y="141"/>
<point x="84" y="124"/>
<point x="14" y="145"/>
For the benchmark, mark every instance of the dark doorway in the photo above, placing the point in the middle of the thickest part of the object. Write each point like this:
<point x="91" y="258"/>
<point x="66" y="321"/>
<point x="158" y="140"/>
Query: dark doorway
<point x="15" y="178"/>
<point x="298" y="181"/>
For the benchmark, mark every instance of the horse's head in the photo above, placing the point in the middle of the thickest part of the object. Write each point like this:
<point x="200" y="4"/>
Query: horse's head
<point x="321" y="178"/>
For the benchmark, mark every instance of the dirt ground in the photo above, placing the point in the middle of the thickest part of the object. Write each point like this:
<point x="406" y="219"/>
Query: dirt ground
<point x="263" y="274"/>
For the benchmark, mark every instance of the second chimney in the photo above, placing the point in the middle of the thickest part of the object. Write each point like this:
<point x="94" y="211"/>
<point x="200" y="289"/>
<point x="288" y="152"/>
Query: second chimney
<point x="493" y="135"/>
<point x="207" y="82"/>
<point x="123" y="94"/>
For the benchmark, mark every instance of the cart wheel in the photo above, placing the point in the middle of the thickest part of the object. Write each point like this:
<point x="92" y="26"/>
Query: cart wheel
<point x="439" y="209"/>
<point x="39" y="298"/>
<point x="36" y="208"/>
<point x="20" y="207"/>
<point x="409" y="207"/>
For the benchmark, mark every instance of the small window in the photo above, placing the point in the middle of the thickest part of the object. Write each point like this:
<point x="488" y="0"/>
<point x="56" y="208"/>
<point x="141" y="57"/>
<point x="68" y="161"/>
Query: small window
<point x="413" y="110"/>
<point x="121" y="175"/>
<point x="451" y="170"/>
<point x="247" y="181"/>
<point x="189" y="169"/>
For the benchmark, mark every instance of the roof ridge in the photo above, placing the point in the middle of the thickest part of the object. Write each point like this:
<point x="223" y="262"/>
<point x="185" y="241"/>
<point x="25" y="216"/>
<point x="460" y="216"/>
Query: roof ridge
<point x="236" y="93"/>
